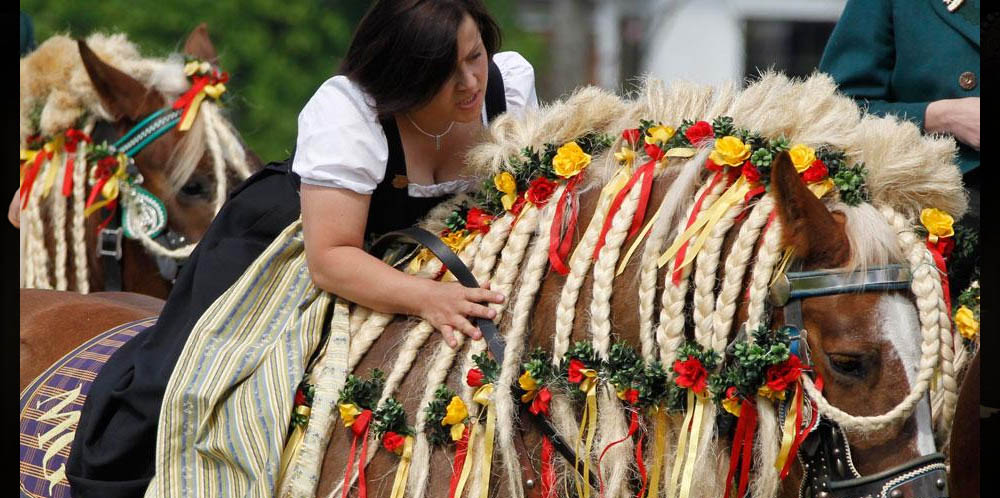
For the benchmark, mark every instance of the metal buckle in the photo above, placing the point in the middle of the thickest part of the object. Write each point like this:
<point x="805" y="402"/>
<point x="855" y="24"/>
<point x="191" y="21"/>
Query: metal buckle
<point x="110" y="242"/>
<point x="780" y="291"/>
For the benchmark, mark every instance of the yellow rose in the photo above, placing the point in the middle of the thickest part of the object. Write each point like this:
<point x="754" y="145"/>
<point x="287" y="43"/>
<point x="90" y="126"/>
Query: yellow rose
<point x="570" y="159"/>
<point x="659" y="134"/>
<point x="348" y="412"/>
<point x="456" y="241"/>
<point x="626" y="156"/>
<point x="505" y="183"/>
<point x="456" y="412"/>
<point x="732" y="405"/>
<point x="966" y="322"/>
<point x="802" y="157"/>
<point x="938" y="223"/>
<point x="529" y="384"/>
<point x="766" y="392"/>
<point x="730" y="151"/>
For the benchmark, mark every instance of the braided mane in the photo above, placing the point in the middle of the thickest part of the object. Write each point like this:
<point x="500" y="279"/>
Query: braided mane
<point x="907" y="171"/>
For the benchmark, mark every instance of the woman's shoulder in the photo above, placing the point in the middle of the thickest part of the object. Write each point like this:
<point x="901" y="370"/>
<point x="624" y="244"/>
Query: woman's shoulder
<point x="518" y="79"/>
<point x="342" y="95"/>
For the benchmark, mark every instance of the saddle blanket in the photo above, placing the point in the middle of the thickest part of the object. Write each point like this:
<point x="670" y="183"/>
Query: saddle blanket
<point x="50" y="410"/>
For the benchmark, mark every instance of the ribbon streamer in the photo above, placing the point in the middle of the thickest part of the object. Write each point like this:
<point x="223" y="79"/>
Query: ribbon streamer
<point x="403" y="470"/>
<point x="483" y="396"/>
<point x="659" y="448"/>
<point x="560" y="243"/>
<point x="688" y="445"/>
<point x="548" y="468"/>
<point x="73" y="138"/>
<point x="589" y="423"/>
<point x="641" y="465"/>
<point x="742" y="446"/>
<point x="802" y="433"/>
<point x="644" y="173"/>
<point x="458" y="468"/>
<point x="793" y="419"/>
<point x="29" y="177"/>
<point x="190" y="101"/>
<point x="730" y="197"/>
<point x="294" y="440"/>
<point x="633" y="426"/>
<point x="635" y="243"/>
<point x="360" y="429"/>
<point x="943" y="270"/>
<point x="52" y="171"/>
<point x="695" y="210"/>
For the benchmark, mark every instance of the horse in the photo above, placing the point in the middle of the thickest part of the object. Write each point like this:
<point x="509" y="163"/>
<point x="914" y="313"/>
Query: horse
<point x="876" y="349"/>
<point x="73" y="95"/>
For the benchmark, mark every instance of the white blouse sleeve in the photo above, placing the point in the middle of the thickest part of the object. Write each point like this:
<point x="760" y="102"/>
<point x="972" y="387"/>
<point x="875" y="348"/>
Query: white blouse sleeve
<point x="518" y="81"/>
<point x="340" y="141"/>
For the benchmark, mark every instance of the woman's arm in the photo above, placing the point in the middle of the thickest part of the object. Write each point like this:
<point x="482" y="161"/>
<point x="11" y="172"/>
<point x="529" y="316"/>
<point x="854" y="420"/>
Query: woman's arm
<point x="333" y="223"/>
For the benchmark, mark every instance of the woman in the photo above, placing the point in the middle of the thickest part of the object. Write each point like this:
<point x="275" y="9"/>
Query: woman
<point x="378" y="146"/>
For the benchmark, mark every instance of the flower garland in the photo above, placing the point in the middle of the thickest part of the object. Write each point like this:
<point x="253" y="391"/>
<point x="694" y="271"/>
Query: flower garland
<point x="537" y="382"/>
<point x="967" y="316"/>
<point x="389" y="423"/>
<point x="356" y="401"/>
<point x="302" y="408"/>
<point x="483" y="377"/>
<point x="447" y="421"/>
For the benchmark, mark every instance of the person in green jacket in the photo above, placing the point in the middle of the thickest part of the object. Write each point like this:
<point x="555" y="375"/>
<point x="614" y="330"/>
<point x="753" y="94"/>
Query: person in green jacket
<point x="917" y="59"/>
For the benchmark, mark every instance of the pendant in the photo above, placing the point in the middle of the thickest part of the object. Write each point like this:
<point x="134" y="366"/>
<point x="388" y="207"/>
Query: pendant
<point x="144" y="213"/>
<point x="953" y="5"/>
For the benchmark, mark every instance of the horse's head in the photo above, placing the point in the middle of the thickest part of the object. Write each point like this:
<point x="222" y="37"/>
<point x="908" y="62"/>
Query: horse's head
<point x="177" y="167"/>
<point x="866" y="346"/>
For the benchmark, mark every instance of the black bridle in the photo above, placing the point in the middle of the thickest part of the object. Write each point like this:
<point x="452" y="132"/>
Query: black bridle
<point x="825" y="454"/>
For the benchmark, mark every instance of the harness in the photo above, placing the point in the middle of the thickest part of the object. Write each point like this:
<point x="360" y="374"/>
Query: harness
<point x="825" y="455"/>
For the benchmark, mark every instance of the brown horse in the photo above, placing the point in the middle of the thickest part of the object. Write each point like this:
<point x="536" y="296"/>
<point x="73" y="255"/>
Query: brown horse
<point x="66" y="85"/>
<point x="871" y="348"/>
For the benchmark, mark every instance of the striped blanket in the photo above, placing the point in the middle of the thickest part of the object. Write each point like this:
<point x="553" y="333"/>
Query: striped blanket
<point x="50" y="410"/>
<point x="226" y="413"/>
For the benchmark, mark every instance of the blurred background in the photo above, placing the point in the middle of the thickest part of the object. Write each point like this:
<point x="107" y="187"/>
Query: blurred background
<point x="278" y="53"/>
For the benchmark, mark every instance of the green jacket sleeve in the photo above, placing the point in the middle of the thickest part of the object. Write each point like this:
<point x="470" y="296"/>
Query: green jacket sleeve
<point x="860" y="56"/>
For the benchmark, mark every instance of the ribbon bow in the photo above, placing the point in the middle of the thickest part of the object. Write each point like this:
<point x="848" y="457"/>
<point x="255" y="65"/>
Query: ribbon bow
<point x="205" y="81"/>
<point x="73" y="138"/>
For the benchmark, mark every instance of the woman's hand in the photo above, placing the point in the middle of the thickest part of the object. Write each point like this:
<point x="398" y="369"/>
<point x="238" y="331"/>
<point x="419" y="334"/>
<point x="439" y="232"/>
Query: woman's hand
<point x="956" y="117"/>
<point x="449" y="306"/>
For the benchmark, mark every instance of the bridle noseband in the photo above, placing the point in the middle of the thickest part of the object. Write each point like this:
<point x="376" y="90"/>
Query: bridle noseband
<point x="825" y="454"/>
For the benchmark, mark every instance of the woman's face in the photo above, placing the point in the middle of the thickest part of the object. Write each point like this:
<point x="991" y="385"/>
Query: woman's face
<point x="461" y="97"/>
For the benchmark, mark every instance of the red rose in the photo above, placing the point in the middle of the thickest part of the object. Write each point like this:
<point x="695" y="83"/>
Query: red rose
<point x="478" y="221"/>
<point x="781" y="375"/>
<point x="540" y="190"/>
<point x="654" y="152"/>
<point x="711" y="166"/>
<point x="699" y="132"/>
<point x="300" y="398"/>
<point x="474" y="378"/>
<point x="731" y="392"/>
<point x="575" y="376"/>
<point x="691" y="374"/>
<point x="631" y="136"/>
<point x="518" y="205"/>
<point x="816" y="172"/>
<point x="392" y="441"/>
<point x="751" y="172"/>
<point x="632" y="396"/>
<point x="541" y="402"/>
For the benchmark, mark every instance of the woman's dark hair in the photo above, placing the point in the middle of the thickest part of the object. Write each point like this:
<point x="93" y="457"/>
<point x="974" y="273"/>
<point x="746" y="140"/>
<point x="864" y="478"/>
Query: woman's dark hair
<point x="404" y="50"/>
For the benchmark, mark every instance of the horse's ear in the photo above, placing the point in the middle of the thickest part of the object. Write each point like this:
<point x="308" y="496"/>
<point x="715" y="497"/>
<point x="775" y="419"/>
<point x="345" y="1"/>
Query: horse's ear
<point x="122" y="95"/>
<point x="818" y="238"/>
<point x="199" y="45"/>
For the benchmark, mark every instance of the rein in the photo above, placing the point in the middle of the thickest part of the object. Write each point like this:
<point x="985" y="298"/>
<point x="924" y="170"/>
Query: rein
<point x="825" y="454"/>
<point x="492" y="336"/>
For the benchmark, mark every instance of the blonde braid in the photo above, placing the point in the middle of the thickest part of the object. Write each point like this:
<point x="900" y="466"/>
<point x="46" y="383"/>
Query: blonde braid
<point x="39" y="254"/>
<point x="531" y="279"/>
<point x="736" y="265"/>
<point x="767" y="258"/>
<point x="948" y="385"/>
<point x="707" y="265"/>
<point x="765" y="480"/>
<point x="58" y="204"/>
<point x="218" y="160"/>
<point x="77" y="219"/>
<point x="926" y="288"/>
<point x="670" y="331"/>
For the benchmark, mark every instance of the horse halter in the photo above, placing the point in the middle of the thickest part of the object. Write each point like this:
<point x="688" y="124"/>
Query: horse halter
<point x="825" y="455"/>
<point x="151" y="217"/>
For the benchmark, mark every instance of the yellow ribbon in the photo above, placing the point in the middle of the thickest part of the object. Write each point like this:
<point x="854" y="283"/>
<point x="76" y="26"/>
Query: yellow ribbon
<point x="467" y="464"/>
<point x="788" y="428"/>
<point x="52" y="168"/>
<point x="702" y="225"/>
<point x="483" y="396"/>
<point x="683" y="152"/>
<point x="111" y="188"/>
<point x="617" y="183"/>
<point x="701" y="406"/>
<point x="635" y="244"/>
<point x="403" y="470"/>
<point x="588" y="422"/>
<point x="659" y="448"/>
<point x="294" y="440"/>
<point x="782" y="265"/>
<point x="192" y="112"/>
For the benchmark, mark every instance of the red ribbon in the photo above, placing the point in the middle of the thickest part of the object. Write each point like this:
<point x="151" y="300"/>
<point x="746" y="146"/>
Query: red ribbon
<point x="197" y="85"/>
<point x="801" y="433"/>
<point x="548" y="469"/>
<point x="360" y="429"/>
<point x="943" y="269"/>
<point x="645" y="172"/>
<point x="642" y="467"/>
<point x="559" y="243"/>
<point x="742" y="447"/>
<point x="110" y="206"/>
<point x="716" y="178"/>
<point x="29" y="177"/>
<point x="73" y="137"/>
<point x="461" y="450"/>
<point x="633" y="426"/>
<point x="754" y="192"/>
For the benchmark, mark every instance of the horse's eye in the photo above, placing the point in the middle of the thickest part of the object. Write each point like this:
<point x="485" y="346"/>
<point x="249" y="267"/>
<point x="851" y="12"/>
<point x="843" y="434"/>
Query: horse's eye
<point x="194" y="188"/>
<point x="846" y="364"/>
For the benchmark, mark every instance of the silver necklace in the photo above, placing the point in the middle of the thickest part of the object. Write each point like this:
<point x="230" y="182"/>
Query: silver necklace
<point x="437" y="138"/>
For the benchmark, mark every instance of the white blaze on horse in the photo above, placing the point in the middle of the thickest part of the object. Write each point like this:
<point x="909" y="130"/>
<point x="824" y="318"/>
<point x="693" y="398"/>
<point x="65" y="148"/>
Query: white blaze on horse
<point x="827" y="273"/>
<point x="173" y="156"/>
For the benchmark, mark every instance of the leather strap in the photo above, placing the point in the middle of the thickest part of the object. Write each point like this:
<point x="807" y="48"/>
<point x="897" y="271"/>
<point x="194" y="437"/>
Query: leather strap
<point x="490" y="332"/>
<point x="109" y="250"/>
<point x="802" y="284"/>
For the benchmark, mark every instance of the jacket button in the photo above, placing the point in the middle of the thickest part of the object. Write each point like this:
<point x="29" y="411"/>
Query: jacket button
<point x="967" y="80"/>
